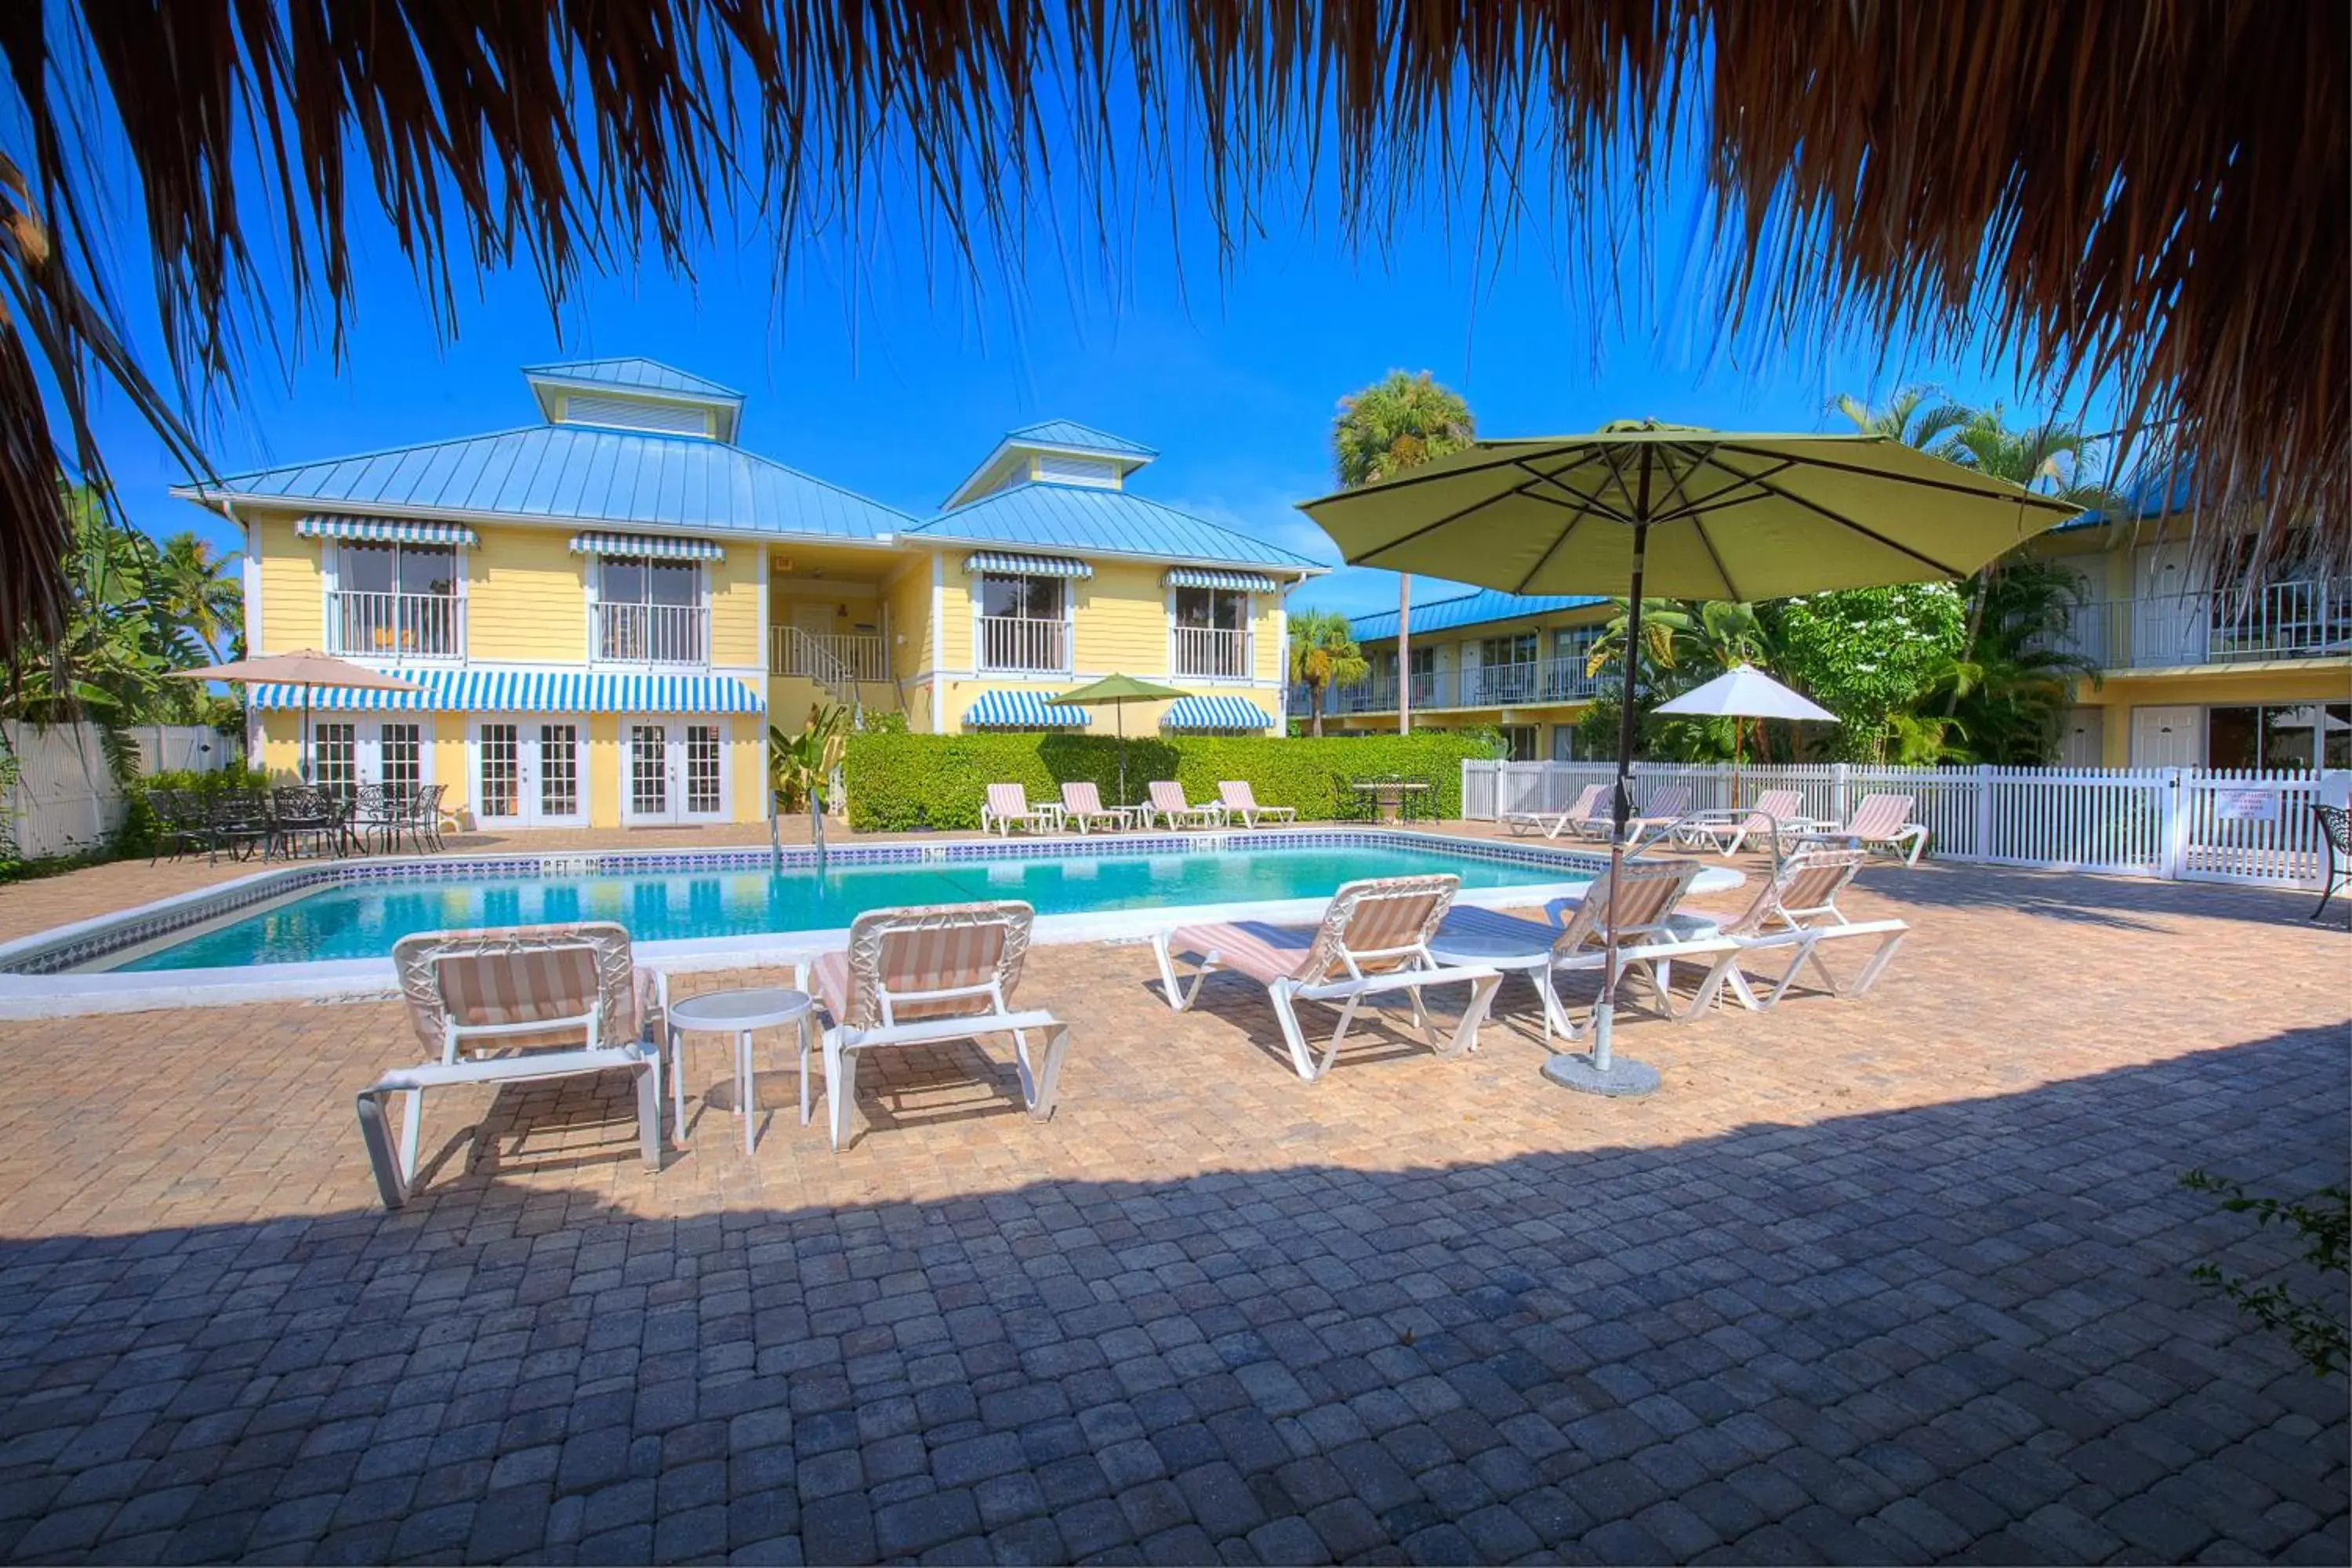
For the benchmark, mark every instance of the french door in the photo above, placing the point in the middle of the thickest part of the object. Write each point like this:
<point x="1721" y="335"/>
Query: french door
<point x="530" y="773"/>
<point x="673" y="771"/>
<point x="346" y="753"/>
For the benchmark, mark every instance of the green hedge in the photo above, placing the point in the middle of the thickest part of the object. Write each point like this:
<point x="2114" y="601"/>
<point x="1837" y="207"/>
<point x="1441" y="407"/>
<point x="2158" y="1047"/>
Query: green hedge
<point x="901" y="782"/>
<point x="137" y="834"/>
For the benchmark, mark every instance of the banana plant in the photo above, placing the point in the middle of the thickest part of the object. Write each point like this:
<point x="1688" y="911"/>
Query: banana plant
<point x="805" y="765"/>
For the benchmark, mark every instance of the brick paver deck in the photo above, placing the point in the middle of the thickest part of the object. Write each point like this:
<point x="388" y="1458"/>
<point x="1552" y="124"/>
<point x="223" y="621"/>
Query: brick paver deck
<point x="1897" y="1279"/>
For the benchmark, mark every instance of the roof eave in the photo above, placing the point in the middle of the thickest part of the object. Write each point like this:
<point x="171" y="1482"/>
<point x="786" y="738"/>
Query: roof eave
<point x="964" y="493"/>
<point x="922" y="535"/>
<point x="221" y="499"/>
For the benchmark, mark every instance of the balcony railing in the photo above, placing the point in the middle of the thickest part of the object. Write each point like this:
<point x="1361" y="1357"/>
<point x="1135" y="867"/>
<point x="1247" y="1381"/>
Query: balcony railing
<point x="2301" y="619"/>
<point x="1490" y="686"/>
<point x="396" y="625"/>
<point x="830" y="657"/>
<point x="652" y="634"/>
<point x="1210" y="653"/>
<point x="1019" y="643"/>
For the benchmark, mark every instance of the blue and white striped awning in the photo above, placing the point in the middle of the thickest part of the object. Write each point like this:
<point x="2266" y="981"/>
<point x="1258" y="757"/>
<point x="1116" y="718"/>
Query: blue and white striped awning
<point x="1026" y="565"/>
<point x="1208" y="577"/>
<point x="647" y="546"/>
<point x="387" y="531"/>
<point x="529" y="691"/>
<point x="1023" y="710"/>
<point x="1215" y="713"/>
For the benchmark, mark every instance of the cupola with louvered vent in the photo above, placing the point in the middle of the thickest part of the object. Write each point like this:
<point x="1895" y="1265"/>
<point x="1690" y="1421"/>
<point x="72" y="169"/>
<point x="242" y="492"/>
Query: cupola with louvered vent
<point x="641" y="396"/>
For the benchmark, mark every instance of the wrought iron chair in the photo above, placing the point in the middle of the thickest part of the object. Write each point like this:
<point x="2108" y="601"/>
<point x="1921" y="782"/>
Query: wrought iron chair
<point x="2335" y="832"/>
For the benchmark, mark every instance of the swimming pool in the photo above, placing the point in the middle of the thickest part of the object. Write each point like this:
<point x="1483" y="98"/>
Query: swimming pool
<point x="328" y="930"/>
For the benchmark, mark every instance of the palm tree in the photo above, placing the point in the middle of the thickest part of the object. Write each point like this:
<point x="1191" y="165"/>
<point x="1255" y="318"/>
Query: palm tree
<point x="1399" y="422"/>
<point x="1323" y="654"/>
<point x="2009" y="690"/>
<point x="1706" y="637"/>
<point x="1908" y="416"/>
<point x="198" y="593"/>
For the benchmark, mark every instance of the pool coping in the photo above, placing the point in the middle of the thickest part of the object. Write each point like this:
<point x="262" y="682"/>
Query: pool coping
<point x="38" y="979"/>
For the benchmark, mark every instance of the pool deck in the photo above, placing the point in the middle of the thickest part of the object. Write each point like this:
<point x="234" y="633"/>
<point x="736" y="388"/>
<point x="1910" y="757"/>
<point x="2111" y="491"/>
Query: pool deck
<point x="1901" y="1279"/>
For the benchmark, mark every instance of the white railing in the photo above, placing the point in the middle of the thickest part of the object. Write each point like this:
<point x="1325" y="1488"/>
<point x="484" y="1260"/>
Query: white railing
<point x="1210" y="652"/>
<point x="652" y="634"/>
<point x="2303" y="619"/>
<point x="2174" y="822"/>
<point x="830" y="659"/>
<point x="1019" y="643"/>
<point x="396" y="625"/>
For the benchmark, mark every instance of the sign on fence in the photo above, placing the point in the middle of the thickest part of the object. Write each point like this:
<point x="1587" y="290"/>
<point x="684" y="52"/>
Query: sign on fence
<point x="2147" y="821"/>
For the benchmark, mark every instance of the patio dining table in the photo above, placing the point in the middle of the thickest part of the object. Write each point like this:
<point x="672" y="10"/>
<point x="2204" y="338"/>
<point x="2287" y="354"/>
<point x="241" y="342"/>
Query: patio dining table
<point x="1388" y="795"/>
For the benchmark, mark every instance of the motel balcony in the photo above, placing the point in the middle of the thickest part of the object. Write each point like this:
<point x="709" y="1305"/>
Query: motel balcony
<point x="1023" y="645"/>
<point x="2310" y="619"/>
<point x="670" y="635"/>
<point x="1523" y="685"/>
<point x="396" y="625"/>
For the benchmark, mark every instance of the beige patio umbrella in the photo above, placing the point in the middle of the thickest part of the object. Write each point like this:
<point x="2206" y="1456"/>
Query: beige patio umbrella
<point x="306" y="667"/>
<point x="1683" y="512"/>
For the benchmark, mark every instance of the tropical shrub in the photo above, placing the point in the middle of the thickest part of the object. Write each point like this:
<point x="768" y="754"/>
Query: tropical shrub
<point x="137" y="834"/>
<point x="898" y="783"/>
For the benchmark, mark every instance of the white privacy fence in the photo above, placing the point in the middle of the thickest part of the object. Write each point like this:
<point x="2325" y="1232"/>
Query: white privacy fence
<point x="65" y="799"/>
<point x="2174" y="822"/>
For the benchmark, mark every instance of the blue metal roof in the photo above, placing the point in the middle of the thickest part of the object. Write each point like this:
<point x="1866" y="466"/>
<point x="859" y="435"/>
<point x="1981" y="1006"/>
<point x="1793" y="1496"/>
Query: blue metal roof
<point x="1093" y="520"/>
<point x="1467" y="610"/>
<point x="1081" y="437"/>
<point x="574" y="473"/>
<point x="2161" y="490"/>
<point x="634" y="374"/>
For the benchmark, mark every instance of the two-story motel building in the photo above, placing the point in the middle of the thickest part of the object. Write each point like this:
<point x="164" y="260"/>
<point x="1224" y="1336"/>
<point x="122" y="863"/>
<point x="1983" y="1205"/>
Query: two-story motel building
<point x="606" y="608"/>
<point x="2192" y="672"/>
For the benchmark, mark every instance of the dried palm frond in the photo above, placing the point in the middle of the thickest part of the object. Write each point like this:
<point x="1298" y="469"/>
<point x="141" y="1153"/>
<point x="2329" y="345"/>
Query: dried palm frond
<point x="2148" y="195"/>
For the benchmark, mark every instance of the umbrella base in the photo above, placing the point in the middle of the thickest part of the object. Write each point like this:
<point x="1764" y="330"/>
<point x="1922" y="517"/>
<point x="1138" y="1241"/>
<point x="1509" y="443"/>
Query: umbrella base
<point x="1622" y="1080"/>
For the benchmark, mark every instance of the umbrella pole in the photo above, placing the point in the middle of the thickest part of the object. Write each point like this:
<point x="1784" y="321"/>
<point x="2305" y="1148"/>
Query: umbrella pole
<point x="1601" y="1073"/>
<point x="302" y="753"/>
<point x="1119" y="711"/>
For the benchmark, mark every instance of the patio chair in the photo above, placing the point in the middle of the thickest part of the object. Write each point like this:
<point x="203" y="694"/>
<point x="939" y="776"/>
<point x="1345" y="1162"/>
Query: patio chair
<point x="239" y="824"/>
<point x="1240" y="800"/>
<point x="1880" y="822"/>
<point x="180" y="824"/>
<point x="923" y="976"/>
<point x="514" y="1005"/>
<point x="1586" y="813"/>
<point x="2336" y="839"/>
<point x="1661" y="813"/>
<point x="1008" y="807"/>
<point x="1082" y="807"/>
<point x="1166" y="799"/>
<point x="1373" y="939"/>
<point x="1796" y="911"/>
<point x="424" y="812"/>
<point x="1645" y="893"/>
<point x="304" y="811"/>
<point x="377" y="811"/>
<point x="1776" y="811"/>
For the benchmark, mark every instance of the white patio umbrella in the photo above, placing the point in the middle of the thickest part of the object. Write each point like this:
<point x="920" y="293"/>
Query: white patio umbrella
<point x="306" y="667"/>
<point x="1745" y="691"/>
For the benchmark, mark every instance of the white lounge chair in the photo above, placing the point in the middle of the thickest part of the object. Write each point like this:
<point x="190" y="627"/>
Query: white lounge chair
<point x="1587" y="812"/>
<point x="1008" y="807"/>
<point x="1646" y="893"/>
<point x="511" y="1006"/>
<point x="1664" y="810"/>
<point x="1796" y="913"/>
<point x="1373" y="939"/>
<point x="1776" y="811"/>
<point x="923" y="976"/>
<point x="1240" y="800"/>
<point x="1167" y="800"/>
<point x="1879" y="822"/>
<point x="1082" y="808"/>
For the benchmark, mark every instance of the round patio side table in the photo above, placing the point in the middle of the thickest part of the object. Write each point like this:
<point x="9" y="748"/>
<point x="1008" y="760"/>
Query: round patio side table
<point x="740" y="1014"/>
<point x="1527" y="955"/>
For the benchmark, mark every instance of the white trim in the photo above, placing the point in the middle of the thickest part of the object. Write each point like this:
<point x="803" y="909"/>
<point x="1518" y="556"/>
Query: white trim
<point x="223" y="500"/>
<point x="938" y="632"/>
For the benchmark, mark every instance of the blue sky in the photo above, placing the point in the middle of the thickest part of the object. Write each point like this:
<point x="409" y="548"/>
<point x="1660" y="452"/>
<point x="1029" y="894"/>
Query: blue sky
<point x="880" y="368"/>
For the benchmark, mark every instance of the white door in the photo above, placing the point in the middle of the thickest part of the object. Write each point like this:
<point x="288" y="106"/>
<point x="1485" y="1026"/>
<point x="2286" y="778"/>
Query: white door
<point x="2170" y="615"/>
<point x="2083" y="738"/>
<point x="530" y="773"/>
<point x="675" y="771"/>
<point x="2167" y="738"/>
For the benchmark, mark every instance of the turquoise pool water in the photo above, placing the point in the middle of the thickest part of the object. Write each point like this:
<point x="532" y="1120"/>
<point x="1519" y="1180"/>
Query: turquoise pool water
<point x="364" y="920"/>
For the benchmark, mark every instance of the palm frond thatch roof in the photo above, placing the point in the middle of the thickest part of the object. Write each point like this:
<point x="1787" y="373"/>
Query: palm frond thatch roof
<point x="2149" y="194"/>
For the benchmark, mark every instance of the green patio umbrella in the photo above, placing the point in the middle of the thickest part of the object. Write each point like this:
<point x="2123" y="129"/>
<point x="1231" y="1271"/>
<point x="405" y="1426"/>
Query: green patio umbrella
<point x="1681" y="512"/>
<point x="1119" y="691"/>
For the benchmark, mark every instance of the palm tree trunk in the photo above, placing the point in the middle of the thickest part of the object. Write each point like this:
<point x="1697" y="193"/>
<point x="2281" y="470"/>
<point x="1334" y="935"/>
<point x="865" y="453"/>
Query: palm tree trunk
<point x="1315" y="709"/>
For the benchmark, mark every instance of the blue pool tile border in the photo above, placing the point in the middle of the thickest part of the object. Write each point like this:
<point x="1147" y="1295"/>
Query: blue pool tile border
<point x="33" y="956"/>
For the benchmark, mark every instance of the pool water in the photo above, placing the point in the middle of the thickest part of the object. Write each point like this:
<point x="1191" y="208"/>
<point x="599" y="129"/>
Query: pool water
<point x="364" y="920"/>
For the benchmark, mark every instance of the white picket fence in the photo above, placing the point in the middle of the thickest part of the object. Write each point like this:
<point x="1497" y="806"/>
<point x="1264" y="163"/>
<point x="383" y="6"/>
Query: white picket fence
<point x="65" y="800"/>
<point x="2174" y="822"/>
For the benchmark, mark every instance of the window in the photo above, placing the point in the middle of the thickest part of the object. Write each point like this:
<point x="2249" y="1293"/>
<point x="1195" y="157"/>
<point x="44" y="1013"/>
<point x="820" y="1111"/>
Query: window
<point x="1521" y="739"/>
<point x="500" y="748"/>
<point x="2280" y="737"/>
<point x="391" y="600"/>
<point x="559" y="769"/>
<point x="1571" y="647"/>
<point x="1021" y="623"/>
<point x="400" y="759"/>
<point x="650" y="612"/>
<point x="1213" y="633"/>
<point x="1519" y="649"/>
<point x="335" y="757"/>
<point x="1506" y="671"/>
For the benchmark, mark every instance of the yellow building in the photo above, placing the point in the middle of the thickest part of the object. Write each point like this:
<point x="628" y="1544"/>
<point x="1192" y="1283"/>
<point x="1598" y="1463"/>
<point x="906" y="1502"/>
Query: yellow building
<point x="2190" y="674"/>
<point x="602" y="610"/>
